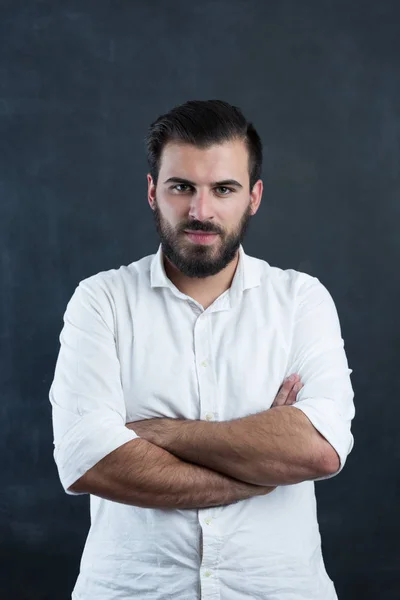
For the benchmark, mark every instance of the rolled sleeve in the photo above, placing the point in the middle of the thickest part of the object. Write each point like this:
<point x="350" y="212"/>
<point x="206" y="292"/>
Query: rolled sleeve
<point x="318" y="356"/>
<point x="88" y="407"/>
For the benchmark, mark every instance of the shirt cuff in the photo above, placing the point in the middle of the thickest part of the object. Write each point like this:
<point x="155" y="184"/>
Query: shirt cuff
<point x="322" y="413"/>
<point x="89" y="440"/>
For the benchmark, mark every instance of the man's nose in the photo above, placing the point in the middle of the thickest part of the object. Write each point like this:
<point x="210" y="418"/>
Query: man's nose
<point x="202" y="205"/>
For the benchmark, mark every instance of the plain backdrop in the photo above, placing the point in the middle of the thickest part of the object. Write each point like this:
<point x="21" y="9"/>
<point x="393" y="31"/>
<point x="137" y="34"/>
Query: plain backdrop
<point x="80" y="82"/>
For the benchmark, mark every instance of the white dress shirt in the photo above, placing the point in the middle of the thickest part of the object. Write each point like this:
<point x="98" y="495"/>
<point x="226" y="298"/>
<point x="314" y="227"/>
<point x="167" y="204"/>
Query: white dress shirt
<point x="134" y="347"/>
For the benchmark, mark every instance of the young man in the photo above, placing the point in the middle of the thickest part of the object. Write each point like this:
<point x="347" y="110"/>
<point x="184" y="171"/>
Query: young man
<point x="172" y="405"/>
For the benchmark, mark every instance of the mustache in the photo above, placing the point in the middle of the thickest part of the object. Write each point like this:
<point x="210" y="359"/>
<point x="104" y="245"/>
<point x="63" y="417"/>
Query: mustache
<point x="199" y="229"/>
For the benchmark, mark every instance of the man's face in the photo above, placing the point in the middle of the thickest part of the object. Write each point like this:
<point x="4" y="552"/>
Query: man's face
<point x="203" y="205"/>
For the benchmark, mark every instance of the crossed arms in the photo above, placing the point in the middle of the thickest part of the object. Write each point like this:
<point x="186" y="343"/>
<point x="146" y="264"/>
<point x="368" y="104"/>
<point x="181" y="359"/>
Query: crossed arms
<point x="184" y="463"/>
<point x="150" y="473"/>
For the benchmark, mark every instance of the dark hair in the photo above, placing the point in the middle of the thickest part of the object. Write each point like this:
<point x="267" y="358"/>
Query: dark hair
<point x="203" y="123"/>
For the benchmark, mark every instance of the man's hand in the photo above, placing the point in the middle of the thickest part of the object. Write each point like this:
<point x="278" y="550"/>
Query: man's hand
<point x="288" y="391"/>
<point x="155" y="430"/>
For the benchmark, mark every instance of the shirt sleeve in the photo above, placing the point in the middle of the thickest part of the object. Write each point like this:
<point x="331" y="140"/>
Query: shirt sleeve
<point x="318" y="356"/>
<point x="88" y="408"/>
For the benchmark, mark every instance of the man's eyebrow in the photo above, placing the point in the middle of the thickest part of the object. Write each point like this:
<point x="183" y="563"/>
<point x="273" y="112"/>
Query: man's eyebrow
<point x="232" y="182"/>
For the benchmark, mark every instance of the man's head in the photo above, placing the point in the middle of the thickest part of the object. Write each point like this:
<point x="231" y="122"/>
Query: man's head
<point x="205" y="164"/>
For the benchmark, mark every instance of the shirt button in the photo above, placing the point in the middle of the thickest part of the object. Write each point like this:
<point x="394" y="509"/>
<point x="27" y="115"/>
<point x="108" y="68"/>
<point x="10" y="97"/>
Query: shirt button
<point x="204" y="363"/>
<point x="207" y="573"/>
<point x="209" y="416"/>
<point x="208" y="521"/>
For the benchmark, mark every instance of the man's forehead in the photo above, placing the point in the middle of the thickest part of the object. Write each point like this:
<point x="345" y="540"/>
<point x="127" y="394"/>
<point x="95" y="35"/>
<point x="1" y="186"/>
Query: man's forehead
<point x="222" y="161"/>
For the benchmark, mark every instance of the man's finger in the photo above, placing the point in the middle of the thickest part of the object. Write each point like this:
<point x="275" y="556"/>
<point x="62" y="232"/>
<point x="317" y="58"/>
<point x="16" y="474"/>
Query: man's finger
<point x="284" y="391"/>
<point x="291" y="399"/>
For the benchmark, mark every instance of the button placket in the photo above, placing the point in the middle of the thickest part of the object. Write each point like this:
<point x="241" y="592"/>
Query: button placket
<point x="207" y="394"/>
<point x="202" y="350"/>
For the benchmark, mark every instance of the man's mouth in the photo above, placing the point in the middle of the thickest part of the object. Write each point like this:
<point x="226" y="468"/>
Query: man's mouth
<point x="201" y="237"/>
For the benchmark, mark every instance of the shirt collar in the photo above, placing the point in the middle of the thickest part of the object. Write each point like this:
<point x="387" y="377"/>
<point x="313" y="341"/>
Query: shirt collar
<point x="247" y="275"/>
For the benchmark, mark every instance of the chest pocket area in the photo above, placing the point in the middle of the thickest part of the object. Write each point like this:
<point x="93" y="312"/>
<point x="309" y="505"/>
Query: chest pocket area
<point x="252" y="370"/>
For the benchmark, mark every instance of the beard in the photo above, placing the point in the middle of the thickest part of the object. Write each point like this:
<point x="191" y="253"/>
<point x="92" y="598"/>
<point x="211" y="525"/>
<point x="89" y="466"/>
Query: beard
<point x="195" y="260"/>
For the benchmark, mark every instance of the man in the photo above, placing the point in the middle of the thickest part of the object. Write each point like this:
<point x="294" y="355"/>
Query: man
<point x="172" y="405"/>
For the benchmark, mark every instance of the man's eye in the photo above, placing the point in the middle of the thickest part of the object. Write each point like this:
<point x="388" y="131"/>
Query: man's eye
<point x="222" y="187"/>
<point x="180" y="185"/>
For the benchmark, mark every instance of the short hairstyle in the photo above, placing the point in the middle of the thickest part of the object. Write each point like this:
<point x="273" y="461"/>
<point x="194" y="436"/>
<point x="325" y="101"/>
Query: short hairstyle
<point x="203" y="123"/>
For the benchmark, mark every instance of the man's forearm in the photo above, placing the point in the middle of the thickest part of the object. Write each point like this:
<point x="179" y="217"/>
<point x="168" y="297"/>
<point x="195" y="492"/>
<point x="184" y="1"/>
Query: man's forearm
<point x="142" y="474"/>
<point x="275" y="447"/>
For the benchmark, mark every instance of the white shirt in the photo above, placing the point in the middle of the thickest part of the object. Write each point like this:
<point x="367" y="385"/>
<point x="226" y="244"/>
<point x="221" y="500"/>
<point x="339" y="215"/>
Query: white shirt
<point x="134" y="347"/>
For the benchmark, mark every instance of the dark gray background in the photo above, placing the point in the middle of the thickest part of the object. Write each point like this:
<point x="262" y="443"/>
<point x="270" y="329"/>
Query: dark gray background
<point x="80" y="83"/>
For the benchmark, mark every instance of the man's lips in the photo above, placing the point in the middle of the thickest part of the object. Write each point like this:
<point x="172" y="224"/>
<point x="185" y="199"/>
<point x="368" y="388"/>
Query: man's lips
<point x="201" y="237"/>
